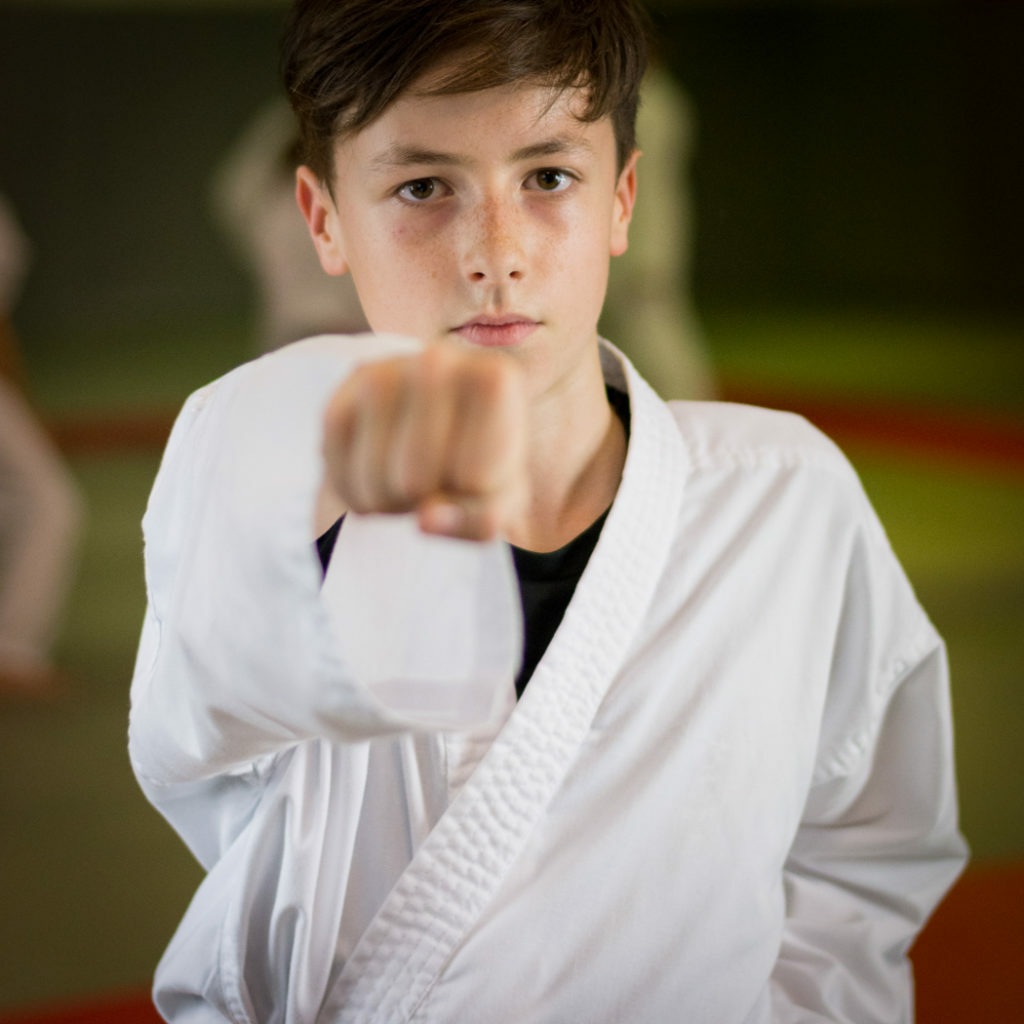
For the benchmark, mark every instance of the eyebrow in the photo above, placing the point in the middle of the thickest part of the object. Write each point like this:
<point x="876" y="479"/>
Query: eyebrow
<point x="398" y="156"/>
<point x="410" y="156"/>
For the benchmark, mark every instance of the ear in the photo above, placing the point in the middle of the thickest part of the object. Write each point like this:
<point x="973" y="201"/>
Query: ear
<point x="317" y="206"/>
<point x="622" y="210"/>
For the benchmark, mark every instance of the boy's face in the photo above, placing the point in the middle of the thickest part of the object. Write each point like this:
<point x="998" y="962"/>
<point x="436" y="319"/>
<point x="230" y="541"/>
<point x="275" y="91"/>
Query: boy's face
<point x="484" y="218"/>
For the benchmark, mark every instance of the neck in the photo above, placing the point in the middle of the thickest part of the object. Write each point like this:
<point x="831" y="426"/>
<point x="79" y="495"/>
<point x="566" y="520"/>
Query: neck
<point x="577" y="448"/>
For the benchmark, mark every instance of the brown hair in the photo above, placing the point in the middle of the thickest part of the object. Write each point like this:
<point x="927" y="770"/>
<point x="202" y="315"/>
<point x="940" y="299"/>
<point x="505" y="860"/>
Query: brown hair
<point x="345" y="61"/>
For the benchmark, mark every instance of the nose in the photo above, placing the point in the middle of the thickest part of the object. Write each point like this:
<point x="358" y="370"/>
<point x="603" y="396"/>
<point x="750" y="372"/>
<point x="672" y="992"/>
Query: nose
<point x="494" y="251"/>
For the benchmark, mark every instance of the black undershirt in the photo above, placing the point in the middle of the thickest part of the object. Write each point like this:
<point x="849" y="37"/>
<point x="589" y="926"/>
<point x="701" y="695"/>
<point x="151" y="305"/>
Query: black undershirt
<point x="547" y="579"/>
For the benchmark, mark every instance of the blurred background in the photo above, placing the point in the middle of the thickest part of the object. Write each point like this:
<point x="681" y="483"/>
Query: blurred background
<point x="851" y="183"/>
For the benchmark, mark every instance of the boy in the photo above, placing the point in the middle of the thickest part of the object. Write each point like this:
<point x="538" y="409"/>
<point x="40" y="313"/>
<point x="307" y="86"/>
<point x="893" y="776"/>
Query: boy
<point x="726" y="792"/>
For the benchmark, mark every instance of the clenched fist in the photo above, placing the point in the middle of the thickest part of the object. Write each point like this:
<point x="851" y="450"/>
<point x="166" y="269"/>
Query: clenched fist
<point x="440" y="433"/>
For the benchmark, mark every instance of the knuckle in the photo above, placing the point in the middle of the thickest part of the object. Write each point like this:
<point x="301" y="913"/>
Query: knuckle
<point x="339" y="413"/>
<point x="432" y="364"/>
<point x="414" y="479"/>
<point x="487" y="377"/>
<point x="406" y="483"/>
<point x="373" y="382"/>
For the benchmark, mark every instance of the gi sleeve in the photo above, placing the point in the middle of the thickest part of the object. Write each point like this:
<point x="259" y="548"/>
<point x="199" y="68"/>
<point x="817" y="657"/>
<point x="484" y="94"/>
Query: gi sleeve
<point x="878" y="845"/>
<point x="242" y="653"/>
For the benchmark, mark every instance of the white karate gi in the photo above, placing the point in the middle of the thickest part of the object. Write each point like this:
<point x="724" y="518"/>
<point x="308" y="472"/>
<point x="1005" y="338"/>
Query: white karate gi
<point x="726" y="796"/>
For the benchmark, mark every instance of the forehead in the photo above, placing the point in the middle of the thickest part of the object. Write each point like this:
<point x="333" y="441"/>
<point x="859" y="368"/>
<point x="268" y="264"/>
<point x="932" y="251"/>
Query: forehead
<point x="517" y="121"/>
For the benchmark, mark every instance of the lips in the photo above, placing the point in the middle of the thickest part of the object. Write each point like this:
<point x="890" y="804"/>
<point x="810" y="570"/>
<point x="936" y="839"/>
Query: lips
<point x="497" y="331"/>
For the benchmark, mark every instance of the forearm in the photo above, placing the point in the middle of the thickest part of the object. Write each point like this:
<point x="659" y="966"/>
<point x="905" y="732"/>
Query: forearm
<point x="243" y="653"/>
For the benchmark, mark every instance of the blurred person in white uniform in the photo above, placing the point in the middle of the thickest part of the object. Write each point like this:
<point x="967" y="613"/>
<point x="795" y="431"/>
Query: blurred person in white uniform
<point x="253" y="200"/>
<point x="40" y="507"/>
<point x="649" y="310"/>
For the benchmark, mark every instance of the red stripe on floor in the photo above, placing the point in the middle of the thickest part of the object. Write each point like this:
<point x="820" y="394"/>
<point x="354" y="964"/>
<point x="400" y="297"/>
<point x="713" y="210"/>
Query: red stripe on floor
<point x="127" y="1008"/>
<point x="976" y="438"/>
<point x="979" y="438"/>
<point x="91" y="433"/>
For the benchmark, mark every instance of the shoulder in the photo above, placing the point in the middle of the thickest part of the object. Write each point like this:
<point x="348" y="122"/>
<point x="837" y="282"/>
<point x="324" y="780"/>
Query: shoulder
<point x="776" y="466"/>
<point x="773" y="496"/>
<point x="727" y="433"/>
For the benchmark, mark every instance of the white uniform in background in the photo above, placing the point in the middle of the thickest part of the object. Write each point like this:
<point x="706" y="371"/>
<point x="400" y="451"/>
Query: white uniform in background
<point x="726" y="796"/>
<point x="40" y="509"/>
<point x="650" y="308"/>
<point x="254" y="203"/>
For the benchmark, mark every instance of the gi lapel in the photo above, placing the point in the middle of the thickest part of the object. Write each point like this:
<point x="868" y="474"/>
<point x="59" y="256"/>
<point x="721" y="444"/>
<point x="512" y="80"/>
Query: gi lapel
<point x="456" y="871"/>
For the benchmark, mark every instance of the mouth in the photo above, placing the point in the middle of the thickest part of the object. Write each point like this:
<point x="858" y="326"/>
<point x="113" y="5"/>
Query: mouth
<point x="497" y="331"/>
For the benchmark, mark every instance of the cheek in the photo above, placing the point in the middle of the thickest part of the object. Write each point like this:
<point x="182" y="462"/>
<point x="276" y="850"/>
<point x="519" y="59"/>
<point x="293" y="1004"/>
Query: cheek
<point x="584" y="249"/>
<point x="588" y="230"/>
<point x="584" y="259"/>
<point x="391" y="248"/>
<point x="413" y="228"/>
<point x="562" y="246"/>
<point x="415" y="252"/>
<point x="402" y="237"/>
<point x="397" y="278"/>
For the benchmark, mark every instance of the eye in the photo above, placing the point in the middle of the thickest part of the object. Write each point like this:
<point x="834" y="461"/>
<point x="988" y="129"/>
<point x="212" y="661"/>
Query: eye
<point x="420" y="190"/>
<point x="551" y="179"/>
